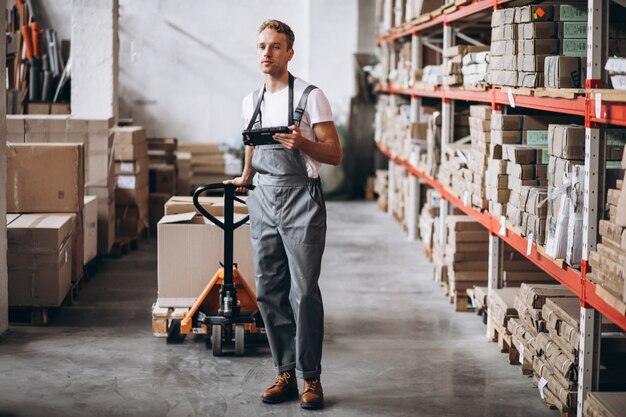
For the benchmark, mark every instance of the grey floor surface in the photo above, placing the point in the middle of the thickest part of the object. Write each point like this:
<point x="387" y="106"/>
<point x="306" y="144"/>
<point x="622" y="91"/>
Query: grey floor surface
<point x="393" y="345"/>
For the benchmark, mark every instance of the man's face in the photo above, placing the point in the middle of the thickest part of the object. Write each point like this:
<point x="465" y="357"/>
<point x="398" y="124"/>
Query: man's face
<point x="272" y="52"/>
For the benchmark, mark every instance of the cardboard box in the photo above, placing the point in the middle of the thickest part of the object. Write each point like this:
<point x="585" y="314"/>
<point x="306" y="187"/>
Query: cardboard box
<point x="163" y="179"/>
<point x="39" y="259"/>
<point x="59" y="188"/>
<point x="567" y="141"/>
<point x="558" y="167"/>
<point x="90" y="228"/>
<point x="546" y="30"/>
<point x="135" y="167"/>
<point x="500" y="121"/>
<point x="505" y="48"/>
<point x="525" y="154"/>
<point x="530" y="79"/>
<point x="504" y="32"/>
<point x="190" y="250"/>
<point x="214" y="205"/>
<point x="512" y="137"/>
<point x="531" y="63"/>
<point x="565" y="72"/>
<point x="502" y="17"/>
<point x="130" y="143"/>
<point x="481" y="112"/>
<point x="527" y="172"/>
<point x="106" y="218"/>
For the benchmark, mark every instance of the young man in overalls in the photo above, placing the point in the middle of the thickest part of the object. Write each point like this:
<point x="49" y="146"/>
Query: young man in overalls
<point x="288" y="214"/>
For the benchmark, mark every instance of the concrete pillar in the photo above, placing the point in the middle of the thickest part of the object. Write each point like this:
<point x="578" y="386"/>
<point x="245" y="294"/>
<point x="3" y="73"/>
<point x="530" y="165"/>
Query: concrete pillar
<point x="4" y="289"/>
<point x="95" y="51"/>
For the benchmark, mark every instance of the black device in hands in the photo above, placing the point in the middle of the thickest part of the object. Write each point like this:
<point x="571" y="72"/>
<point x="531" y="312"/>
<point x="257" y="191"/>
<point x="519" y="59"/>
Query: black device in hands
<point x="263" y="136"/>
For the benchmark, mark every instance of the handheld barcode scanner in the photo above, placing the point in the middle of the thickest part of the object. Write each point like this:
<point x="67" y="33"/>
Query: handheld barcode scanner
<point x="227" y="305"/>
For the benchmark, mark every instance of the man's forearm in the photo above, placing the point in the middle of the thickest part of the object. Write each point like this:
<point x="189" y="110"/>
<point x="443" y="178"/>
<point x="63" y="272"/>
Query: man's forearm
<point x="248" y="171"/>
<point x="326" y="153"/>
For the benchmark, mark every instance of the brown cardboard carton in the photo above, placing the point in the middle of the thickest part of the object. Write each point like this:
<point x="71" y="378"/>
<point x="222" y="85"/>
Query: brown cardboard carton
<point x="560" y="30"/>
<point x="567" y="141"/>
<point x="39" y="259"/>
<point x="130" y="143"/>
<point x="163" y="179"/>
<point x="512" y="137"/>
<point x="481" y="112"/>
<point x="502" y="17"/>
<point x="564" y="71"/>
<point x="90" y="228"/>
<point x="106" y="218"/>
<point x="525" y="154"/>
<point x="500" y="121"/>
<point x="190" y="249"/>
<point x="531" y="63"/>
<point x="214" y="205"/>
<point x="134" y="167"/>
<point x="45" y="178"/>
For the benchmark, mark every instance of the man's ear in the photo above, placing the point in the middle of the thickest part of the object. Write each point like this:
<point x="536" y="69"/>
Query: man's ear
<point x="291" y="52"/>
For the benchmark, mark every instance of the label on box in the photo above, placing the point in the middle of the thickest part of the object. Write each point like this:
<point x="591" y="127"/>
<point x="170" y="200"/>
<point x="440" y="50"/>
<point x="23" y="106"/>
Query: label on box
<point x="502" y="226"/>
<point x="126" y="182"/>
<point x="598" y="104"/>
<point x="529" y="246"/>
<point x="542" y="384"/>
<point x="537" y="137"/>
<point x="511" y="98"/>
<point x="520" y="348"/>
<point x="127" y="167"/>
<point x="466" y="198"/>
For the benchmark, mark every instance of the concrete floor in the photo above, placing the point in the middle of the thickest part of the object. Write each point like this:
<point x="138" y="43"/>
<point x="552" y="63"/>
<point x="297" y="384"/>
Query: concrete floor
<point x="393" y="347"/>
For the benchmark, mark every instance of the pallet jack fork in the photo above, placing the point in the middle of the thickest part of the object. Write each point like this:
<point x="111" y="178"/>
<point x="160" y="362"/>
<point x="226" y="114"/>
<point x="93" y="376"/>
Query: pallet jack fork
<point x="227" y="301"/>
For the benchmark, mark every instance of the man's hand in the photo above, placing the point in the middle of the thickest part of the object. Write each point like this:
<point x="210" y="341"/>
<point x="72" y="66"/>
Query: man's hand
<point x="241" y="182"/>
<point x="291" y="140"/>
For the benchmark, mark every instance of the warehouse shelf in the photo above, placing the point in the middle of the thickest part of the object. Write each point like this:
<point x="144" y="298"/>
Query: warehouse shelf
<point x="461" y="13"/>
<point x="567" y="276"/>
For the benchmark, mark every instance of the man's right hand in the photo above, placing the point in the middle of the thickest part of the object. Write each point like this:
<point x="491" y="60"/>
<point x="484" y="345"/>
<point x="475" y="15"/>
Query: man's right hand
<point x="241" y="182"/>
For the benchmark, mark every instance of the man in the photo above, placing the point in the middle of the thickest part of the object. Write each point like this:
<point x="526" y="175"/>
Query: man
<point x="288" y="215"/>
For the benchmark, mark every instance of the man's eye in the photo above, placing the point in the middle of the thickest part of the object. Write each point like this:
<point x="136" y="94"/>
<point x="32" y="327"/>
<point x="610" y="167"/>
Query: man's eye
<point x="276" y="46"/>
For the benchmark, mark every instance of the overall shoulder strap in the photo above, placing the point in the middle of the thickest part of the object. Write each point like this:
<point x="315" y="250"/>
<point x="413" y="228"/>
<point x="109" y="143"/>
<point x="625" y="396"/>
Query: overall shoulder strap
<point x="256" y="103"/>
<point x="299" y="111"/>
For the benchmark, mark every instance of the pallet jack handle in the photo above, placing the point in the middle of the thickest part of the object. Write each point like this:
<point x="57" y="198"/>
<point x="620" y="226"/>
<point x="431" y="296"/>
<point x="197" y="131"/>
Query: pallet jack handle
<point x="229" y="226"/>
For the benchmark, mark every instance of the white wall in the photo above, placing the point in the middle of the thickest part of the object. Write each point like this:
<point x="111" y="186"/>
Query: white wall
<point x="184" y="70"/>
<point x="185" y="66"/>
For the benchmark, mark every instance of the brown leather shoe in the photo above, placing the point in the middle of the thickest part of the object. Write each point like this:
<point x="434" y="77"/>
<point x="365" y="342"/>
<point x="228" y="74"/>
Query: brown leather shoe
<point x="313" y="395"/>
<point x="285" y="388"/>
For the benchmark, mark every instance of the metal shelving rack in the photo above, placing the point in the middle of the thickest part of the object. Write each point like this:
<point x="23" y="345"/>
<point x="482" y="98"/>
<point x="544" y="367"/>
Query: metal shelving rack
<point x="597" y="113"/>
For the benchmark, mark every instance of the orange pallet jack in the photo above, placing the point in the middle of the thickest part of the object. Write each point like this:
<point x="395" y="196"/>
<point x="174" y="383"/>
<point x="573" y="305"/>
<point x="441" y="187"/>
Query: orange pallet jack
<point x="226" y="310"/>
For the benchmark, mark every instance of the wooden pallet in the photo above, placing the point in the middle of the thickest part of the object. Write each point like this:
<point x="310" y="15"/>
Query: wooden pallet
<point x="162" y="318"/>
<point x="461" y="302"/>
<point x="503" y="338"/>
<point x="39" y="315"/>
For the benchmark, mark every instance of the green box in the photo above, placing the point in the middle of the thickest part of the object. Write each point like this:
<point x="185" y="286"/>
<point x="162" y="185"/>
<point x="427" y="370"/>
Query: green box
<point x="537" y="137"/>
<point x="575" y="47"/>
<point x="575" y="30"/>
<point x="573" y="12"/>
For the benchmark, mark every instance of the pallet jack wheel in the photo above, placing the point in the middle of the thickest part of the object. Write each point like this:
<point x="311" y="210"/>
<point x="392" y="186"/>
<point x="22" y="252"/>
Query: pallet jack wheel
<point x="216" y="340"/>
<point x="240" y="334"/>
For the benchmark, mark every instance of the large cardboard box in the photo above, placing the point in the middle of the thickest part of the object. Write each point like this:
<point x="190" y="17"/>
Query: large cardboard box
<point x="542" y="30"/>
<point x="90" y="228"/>
<point x="45" y="177"/>
<point x="567" y="141"/>
<point x="130" y="143"/>
<point x="39" y="259"/>
<point x="106" y="218"/>
<point x="190" y="250"/>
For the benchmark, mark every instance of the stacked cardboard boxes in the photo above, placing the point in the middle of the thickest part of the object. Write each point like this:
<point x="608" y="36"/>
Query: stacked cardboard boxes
<point x="400" y="194"/>
<point x="616" y="68"/>
<point x="529" y="34"/>
<point x="51" y="203"/>
<point x="608" y="261"/>
<point x="428" y="216"/>
<point x="556" y="363"/>
<point x="480" y="132"/>
<point x="501" y="307"/>
<point x="97" y="139"/>
<point x="211" y="163"/>
<point x="466" y="257"/>
<point x="132" y="177"/>
<point x="453" y="171"/>
<point x="565" y="192"/>
<point x="162" y="155"/>
<point x="381" y="188"/>
<point x="475" y="68"/>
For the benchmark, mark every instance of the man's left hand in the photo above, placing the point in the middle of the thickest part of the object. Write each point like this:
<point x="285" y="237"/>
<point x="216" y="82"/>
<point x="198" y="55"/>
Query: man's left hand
<point x="291" y="140"/>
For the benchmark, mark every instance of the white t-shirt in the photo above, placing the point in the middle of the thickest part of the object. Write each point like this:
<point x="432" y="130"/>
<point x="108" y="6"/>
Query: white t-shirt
<point x="274" y="113"/>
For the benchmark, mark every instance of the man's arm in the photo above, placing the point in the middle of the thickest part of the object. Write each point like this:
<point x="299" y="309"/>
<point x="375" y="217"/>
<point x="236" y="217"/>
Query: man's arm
<point x="248" y="172"/>
<point x="326" y="150"/>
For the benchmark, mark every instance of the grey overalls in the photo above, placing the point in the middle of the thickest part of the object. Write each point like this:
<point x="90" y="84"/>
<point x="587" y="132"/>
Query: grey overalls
<point x="288" y="230"/>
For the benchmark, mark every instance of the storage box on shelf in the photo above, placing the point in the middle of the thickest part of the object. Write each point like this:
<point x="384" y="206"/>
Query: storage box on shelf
<point x="400" y="201"/>
<point x="427" y="219"/>
<point x="501" y="308"/>
<point x="480" y="133"/>
<point x="381" y="188"/>
<point x="132" y="177"/>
